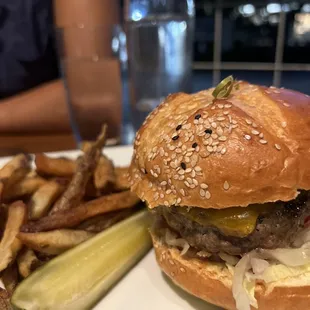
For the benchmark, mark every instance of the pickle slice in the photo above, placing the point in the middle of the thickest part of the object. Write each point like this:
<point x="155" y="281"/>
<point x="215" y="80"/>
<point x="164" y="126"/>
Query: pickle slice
<point x="78" y="278"/>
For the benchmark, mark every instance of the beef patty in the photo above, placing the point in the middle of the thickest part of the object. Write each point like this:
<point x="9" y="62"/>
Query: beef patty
<point x="274" y="229"/>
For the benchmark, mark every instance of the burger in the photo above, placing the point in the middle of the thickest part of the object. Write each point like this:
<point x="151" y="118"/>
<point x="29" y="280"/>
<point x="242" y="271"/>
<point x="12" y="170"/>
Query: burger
<point x="225" y="173"/>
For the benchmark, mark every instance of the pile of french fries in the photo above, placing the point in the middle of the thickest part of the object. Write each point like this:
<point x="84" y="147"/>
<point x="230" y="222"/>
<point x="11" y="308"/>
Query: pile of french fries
<point x="56" y="205"/>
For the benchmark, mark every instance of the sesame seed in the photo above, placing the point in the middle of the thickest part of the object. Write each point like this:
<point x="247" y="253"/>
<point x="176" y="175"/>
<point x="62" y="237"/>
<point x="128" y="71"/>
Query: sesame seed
<point x="195" y="182"/>
<point x="183" y="165"/>
<point x="163" y="183"/>
<point x="223" y="151"/>
<point x="197" y="169"/>
<point x="222" y="138"/>
<point x="194" y="145"/>
<point x="161" y="195"/>
<point x="226" y="112"/>
<point x="208" y="195"/>
<point x="166" y="203"/>
<point x="192" y="186"/>
<point x="227" y="105"/>
<point x="219" y="131"/>
<point x="277" y="146"/>
<point x="187" y="160"/>
<point x="214" y="136"/>
<point x="213" y="124"/>
<point x="193" y="173"/>
<point x="262" y="141"/>
<point x="255" y="132"/>
<point x="175" y="137"/>
<point x="168" y="191"/>
<point x="202" y="192"/>
<point x="186" y="183"/>
<point x="254" y="125"/>
<point x="208" y="131"/>
<point x="197" y="116"/>
<point x="188" y="170"/>
<point x="178" y="150"/>
<point x="203" y="185"/>
<point x="182" y="192"/>
<point x="220" y="105"/>
<point x="261" y="135"/>
<point x="189" y="180"/>
<point x="249" y="122"/>
<point x="226" y="185"/>
<point x="248" y="137"/>
<point x="284" y="124"/>
<point x="171" y="262"/>
<point x="182" y="269"/>
<point x="178" y="127"/>
<point x="181" y="172"/>
<point x="209" y="148"/>
<point x="179" y="199"/>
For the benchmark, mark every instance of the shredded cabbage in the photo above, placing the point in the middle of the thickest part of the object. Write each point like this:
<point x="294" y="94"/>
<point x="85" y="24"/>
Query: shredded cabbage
<point x="259" y="265"/>
<point x="229" y="259"/>
<point x="171" y="240"/>
<point x="256" y="265"/>
<point x="203" y="254"/>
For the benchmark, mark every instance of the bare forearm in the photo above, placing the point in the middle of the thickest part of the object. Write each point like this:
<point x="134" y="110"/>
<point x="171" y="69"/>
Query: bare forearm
<point x="42" y="109"/>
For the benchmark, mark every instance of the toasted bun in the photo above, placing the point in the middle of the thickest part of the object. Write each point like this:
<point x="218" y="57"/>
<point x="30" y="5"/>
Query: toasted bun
<point x="258" y="151"/>
<point x="212" y="282"/>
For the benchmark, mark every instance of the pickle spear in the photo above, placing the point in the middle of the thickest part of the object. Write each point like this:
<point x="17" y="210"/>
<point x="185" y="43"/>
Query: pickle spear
<point x="81" y="276"/>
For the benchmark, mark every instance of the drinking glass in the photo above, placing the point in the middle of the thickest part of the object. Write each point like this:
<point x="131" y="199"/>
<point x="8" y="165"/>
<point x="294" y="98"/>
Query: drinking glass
<point x="159" y="46"/>
<point x="92" y="80"/>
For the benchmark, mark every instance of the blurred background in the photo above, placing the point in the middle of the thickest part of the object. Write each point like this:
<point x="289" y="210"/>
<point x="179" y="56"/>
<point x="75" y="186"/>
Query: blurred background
<point x="263" y="42"/>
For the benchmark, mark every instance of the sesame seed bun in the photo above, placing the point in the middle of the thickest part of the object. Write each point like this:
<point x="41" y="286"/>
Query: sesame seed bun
<point x="212" y="282"/>
<point x="252" y="147"/>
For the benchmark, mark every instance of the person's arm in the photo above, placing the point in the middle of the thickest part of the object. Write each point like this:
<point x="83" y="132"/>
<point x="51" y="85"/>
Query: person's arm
<point x="42" y="109"/>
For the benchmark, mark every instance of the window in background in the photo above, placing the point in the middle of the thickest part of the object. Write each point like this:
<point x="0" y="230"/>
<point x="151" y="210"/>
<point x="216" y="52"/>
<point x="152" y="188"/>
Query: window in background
<point x="253" y="39"/>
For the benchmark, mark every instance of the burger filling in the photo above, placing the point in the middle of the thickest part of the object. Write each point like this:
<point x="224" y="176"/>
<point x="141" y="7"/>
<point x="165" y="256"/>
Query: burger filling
<point x="236" y="231"/>
<point x="264" y="243"/>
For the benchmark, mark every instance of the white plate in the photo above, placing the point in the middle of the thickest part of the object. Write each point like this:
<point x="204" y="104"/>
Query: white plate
<point x="145" y="286"/>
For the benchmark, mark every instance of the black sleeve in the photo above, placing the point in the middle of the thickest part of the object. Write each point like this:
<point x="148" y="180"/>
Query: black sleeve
<point x="27" y="49"/>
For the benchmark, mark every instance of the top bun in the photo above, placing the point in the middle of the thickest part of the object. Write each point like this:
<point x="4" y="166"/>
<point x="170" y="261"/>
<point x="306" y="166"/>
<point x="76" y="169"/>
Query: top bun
<point x="251" y="147"/>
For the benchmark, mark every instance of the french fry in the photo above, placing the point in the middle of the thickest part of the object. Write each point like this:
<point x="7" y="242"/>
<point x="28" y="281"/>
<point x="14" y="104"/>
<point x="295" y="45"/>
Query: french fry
<point x="26" y="262"/>
<point x="10" y="245"/>
<point x="43" y="198"/>
<point x="3" y="216"/>
<point x="10" y="278"/>
<point x="73" y="217"/>
<point x="23" y="188"/>
<point x="12" y="172"/>
<point x="58" y="167"/>
<point x="102" y="222"/>
<point x="86" y="145"/>
<point x="56" y="241"/>
<point x="104" y="173"/>
<point x="5" y="300"/>
<point x="121" y="178"/>
<point x="86" y="165"/>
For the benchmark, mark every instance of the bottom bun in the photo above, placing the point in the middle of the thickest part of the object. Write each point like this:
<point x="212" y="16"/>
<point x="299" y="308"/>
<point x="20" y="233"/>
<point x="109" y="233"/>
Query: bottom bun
<point x="212" y="282"/>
